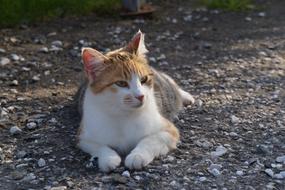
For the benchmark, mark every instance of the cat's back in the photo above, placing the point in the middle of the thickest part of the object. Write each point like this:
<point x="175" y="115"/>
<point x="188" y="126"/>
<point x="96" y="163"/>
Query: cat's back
<point x="167" y="95"/>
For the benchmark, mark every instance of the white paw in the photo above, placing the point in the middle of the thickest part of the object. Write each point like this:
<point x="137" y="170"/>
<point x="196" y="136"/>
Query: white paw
<point x="109" y="163"/>
<point x="137" y="160"/>
<point x="187" y="98"/>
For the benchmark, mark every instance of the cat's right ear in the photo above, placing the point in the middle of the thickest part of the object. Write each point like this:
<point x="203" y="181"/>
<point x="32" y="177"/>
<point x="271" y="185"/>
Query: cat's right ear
<point x="94" y="62"/>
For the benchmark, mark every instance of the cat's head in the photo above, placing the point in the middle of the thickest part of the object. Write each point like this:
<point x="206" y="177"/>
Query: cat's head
<point x="123" y="77"/>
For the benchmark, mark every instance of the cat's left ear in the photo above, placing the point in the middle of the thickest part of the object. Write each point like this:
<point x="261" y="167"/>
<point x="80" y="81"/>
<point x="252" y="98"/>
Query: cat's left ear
<point x="94" y="62"/>
<point x="137" y="44"/>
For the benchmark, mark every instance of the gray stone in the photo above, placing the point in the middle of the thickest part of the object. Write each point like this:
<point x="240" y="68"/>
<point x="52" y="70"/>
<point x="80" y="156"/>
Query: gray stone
<point x="126" y="174"/>
<point x="31" y="125"/>
<point x="280" y="159"/>
<point x="215" y="172"/>
<point x="41" y="162"/>
<point x="15" y="130"/>
<point x="57" y="43"/>
<point x="29" y="177"/>
<point x="4" y="61"/>
<point x="220" y="151"/>
<point x="269" y="172"/>
<point x="234" y="119"/>
<point x="44" y="50"/>
<point x="15" y="57"/>
<point x="59" y="188"/>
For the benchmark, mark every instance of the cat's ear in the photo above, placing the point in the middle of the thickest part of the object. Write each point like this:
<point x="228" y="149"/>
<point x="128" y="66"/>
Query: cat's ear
<point x="137" y="44"/>
<point x="94" y="62"/>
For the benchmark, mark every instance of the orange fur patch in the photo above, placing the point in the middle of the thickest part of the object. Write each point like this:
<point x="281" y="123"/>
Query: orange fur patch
<point x="119" y="66"/>
<point x="173" y="131"/>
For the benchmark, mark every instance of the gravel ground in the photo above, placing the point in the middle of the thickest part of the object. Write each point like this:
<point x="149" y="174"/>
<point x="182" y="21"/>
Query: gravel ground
<point x="233" y="63"/>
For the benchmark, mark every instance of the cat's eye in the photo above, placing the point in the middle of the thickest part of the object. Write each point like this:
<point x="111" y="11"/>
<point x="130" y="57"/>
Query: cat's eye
<point x="144" y="79"/>
<point x="122" y="84"/>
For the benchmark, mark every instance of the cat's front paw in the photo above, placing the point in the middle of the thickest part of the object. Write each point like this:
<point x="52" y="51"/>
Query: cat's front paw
<point x="137" y="160"/>
<point x="107" y="164"/>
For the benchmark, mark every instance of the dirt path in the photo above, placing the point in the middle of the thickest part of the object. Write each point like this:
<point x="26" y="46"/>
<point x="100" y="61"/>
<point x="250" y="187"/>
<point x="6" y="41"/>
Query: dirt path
<point x="233" y="63"/>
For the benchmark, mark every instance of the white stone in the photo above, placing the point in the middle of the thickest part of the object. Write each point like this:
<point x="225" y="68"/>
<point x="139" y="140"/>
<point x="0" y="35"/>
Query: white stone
<point x="59" y="188"/>
<point x="269" y="172"/>
<point x="215" y="172"/>
<point x="280" y="159"/>
<point x="29" y="177"/>
<point x="31" y="125"/>
<point x="126" y="174"/>
<point x="220" y="151"/>
<point x="239" y="173"/>
<point x="202" y="178"/>
<point x="41" y="162"/>
<point x="262" y="14"/>
<point x="44" y="49"/>
<point x="15" y="57"/>
<point x="36" y="78"/>
<point x="15" y="130"/>
<point x="57" y="43"/>
<point x="15" y="82"/>
<point x="234" y="119"/>
<point x="2" y="50"/>
<point x="4" y="61"/>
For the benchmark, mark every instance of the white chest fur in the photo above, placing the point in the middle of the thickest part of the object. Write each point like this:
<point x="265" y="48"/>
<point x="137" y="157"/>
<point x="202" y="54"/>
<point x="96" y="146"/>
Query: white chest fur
<point x="121" y="131"/>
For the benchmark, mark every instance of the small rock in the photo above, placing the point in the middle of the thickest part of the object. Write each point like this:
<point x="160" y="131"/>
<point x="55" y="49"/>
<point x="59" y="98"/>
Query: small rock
<point x="15" y="130"/>
<point x="41" y="162"/>
<point x="31" y="125"/>
<point x="21" y="154"/>
<point x="15" y="57"/>
<point x="161" y="57"/>
<point x="248" y="19"/>
<point x="119" y="179"/>
<point x="173" y="183"/>
<point x="36" y="78"/>
<point x="215" y="166"/>
<point x="57" y="43"/>
<point x="17" y="175"/>
<point x="44" y="50"/>
<point x="187" y="18"/>
<point x="220" y="151"/>
<point x="15" y="83"/>
<point x="126" y="174"/>
<point x="215" y="172"/>
<point x="269" y="172"/>
<point x="2" y="50"/>
<point x="202" y="178"/>
<point x="59" y="188"/>
<point x="239" y="173"/>
<point x="4" y="61"/>
<point x="280" y="175"/>
<point x="234" y="119"/>
<point x="280" y="159"/>
<point x="262" y="14"/>
<point x="29" y="177"/>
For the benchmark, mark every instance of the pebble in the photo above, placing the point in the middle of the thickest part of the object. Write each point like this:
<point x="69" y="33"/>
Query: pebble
<point x="126" y="174"/>
<point x="234" y="119"/>
<point x="215" y="172"/>
<point x="44" y="50"/>
<point x="21" y="154"/>
<point x="41" y="162"/>
<point x="29" y="177"/>
<point x="15" y="57"/>
<point x="15" y="130"/>
<point x="280" y="175"/>
<point x="57" y="43"/>
<point x="2" y="50"/>
<point x="239" y="173"/>
<point x="220" y="151"/>
<point x="262" y="14"/>
<point x="59" y="188"/>
<point x="4" y="61"/>
<point x="280" y="159"/>
<point x="17" y="175"/>
<point x="15" y="83"/>
<point x="248" y="19"/>
<point x="31" y="125"/>
<point x="269" y="172"/>
<point x="187" y="18"/>
<point x="36" y="78"/>
<point x="202" y="178"/>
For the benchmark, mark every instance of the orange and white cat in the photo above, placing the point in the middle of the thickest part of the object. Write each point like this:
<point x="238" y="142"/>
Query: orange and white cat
<point x="127" y="107"/>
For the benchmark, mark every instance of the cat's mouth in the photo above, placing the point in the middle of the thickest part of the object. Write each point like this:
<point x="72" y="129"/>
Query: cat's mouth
<point x="138" y="105"/>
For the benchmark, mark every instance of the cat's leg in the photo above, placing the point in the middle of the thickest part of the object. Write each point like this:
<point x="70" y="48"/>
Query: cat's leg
<point x="153" y="146"/>
<point x="108" y="159"/>
<point x="187" y="98"/>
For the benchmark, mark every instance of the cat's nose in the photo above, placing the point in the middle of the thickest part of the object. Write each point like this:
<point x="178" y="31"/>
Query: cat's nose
<point x="140" y="97"/>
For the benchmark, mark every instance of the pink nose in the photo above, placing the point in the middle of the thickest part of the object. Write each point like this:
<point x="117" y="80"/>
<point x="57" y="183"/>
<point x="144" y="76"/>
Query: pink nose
<point x="140" y="97"/>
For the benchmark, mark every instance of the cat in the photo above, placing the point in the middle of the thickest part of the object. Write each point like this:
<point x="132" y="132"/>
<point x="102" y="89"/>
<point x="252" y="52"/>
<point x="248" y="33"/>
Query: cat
<point x="126" y="107"/>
